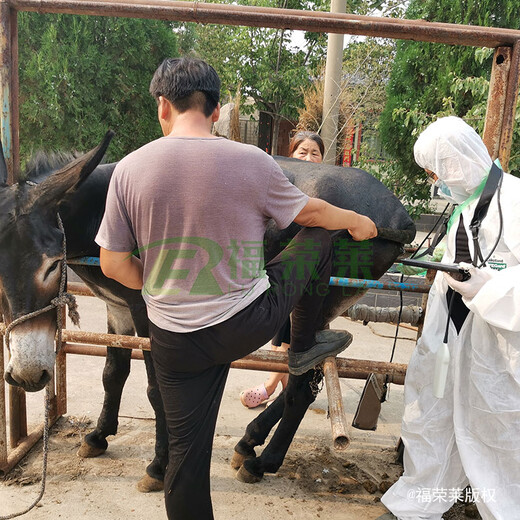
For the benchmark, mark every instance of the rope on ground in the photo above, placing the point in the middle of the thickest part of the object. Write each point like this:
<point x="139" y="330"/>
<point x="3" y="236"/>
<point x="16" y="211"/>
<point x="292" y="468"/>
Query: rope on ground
<point x="45" y="457"/>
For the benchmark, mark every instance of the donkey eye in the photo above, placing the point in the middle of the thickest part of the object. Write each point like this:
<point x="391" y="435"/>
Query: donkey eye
<point x="52" y="268"/>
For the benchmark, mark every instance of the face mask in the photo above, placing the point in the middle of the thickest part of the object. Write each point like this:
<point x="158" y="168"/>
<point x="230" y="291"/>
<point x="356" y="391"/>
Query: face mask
<point x="445" y="192"/>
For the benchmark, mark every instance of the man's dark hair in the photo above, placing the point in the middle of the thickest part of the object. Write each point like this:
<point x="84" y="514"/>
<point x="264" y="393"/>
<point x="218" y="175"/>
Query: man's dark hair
<point x="181" y="80"/>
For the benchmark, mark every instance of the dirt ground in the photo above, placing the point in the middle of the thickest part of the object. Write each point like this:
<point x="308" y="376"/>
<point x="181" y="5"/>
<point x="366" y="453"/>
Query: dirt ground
<point x="314" y="482"/>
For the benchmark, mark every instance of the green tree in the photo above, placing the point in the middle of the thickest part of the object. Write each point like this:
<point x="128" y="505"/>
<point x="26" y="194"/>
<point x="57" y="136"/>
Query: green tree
<point x="366" y="68"/>
<point x="430" y="80"/>
<point x="81" y="75"/>
<point x="264" y="62"/>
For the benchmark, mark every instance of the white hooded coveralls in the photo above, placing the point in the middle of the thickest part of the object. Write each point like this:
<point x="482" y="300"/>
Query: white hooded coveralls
<point x="471" y="435"/>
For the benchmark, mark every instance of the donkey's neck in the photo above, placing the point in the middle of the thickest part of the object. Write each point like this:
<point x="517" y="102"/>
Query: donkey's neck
<point x="83" y="211"/>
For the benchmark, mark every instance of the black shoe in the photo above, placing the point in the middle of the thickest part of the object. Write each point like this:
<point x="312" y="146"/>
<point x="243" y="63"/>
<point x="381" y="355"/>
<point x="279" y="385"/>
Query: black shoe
<point x="328" y="343"/>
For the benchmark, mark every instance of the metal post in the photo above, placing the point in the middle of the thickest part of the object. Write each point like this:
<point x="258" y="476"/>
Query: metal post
<point x="15" y="89"/>
<point x="430" y="276"/>
<point x="24" y="446"/>
<point x="17" y="415"/>
<point x="510" y="107"/>
<point x="496" y="100"/>
<point x="3" y="417"/>
<point x="5" y="85"/>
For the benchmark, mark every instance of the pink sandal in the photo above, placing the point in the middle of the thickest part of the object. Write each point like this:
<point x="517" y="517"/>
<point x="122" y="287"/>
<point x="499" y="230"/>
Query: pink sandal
<point x="254" y="396"/>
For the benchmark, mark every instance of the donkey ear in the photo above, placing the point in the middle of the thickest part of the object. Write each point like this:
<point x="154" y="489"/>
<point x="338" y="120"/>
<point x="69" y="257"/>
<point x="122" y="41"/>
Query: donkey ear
<point x="3" y="167"/>
<point x="62" y="182"/>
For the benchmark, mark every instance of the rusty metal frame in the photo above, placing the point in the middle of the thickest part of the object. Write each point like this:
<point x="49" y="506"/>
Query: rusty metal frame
<point x="498" y="131"/>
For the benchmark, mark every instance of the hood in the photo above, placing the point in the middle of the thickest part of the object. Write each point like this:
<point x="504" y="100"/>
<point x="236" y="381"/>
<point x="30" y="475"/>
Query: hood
<point x="452" y="150"/>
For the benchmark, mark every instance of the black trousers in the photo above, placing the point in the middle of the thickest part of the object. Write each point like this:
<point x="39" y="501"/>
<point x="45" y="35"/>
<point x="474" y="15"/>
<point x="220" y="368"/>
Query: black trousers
<point x="192" y="368"/>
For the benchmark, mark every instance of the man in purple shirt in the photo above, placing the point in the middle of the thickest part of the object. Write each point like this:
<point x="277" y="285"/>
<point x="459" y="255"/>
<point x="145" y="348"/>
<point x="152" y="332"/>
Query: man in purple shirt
<point x="195" y="207"/>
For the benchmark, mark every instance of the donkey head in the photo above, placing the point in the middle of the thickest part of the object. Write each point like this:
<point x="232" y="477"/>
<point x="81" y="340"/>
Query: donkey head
<point x="31" y="254"/>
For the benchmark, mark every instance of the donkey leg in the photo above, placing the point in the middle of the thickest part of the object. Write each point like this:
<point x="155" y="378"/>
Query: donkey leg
<point x="115" y="374"/>
<point x="155" y="471"/>
<point x="298" y="397"/>
<point x="154" y="477"/>
<point x="257" y="431"/>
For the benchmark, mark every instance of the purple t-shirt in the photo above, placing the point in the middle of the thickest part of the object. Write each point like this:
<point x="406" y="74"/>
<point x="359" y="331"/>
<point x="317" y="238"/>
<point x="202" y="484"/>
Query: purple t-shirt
<point x="196" y="210"/>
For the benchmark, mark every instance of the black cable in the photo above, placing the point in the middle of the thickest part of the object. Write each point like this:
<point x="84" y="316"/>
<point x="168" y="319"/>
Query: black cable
<point x="398" y="319"/>
<point x="501" y="226"/>
<point x="401" y="305"/>
<point x="428" y="235"/>
<point x="385" y="386"/>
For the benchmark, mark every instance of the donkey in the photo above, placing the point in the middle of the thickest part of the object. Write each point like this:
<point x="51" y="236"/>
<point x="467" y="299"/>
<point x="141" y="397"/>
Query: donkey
<point x="31" y="252"/>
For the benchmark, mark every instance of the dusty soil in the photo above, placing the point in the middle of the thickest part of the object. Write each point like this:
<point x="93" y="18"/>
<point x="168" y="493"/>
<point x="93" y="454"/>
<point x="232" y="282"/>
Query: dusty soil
<point x="357" y="477"/>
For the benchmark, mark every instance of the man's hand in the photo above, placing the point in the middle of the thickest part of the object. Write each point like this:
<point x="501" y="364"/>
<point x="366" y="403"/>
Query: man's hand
<point x="469" y="288"/>
<point x="319" y="213"/>
<point x="364" y="229"/>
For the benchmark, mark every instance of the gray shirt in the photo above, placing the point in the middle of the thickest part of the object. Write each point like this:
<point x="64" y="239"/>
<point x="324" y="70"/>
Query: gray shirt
<point x="196" y="210"/>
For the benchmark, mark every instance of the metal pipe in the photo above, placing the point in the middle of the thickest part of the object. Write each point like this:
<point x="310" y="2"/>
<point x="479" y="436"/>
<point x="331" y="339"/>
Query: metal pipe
<point x="110" y="340"/>
<point x="5" y="86"/>
<point x="259" y="360"/>
<point x="496" y="100"/>
<point x="510" y="107"/>
<point x="15" y="101"/>
<point x="3" y="415"/>
<point x="78" y="288"/>
<point x="25" y="444"/>
<point x="375" y="284"/>
<point x="419" y="30"/>
<point x="357" y="283"/>
<point x="83" y="349"/>
<point x="430" y="276"/>
<point x="84" y="260"/>
<point x="17" y="415"/>
<point x="338" y="421"/>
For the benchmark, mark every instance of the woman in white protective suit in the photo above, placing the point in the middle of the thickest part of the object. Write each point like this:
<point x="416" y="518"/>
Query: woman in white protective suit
<point x="472" y="434"/>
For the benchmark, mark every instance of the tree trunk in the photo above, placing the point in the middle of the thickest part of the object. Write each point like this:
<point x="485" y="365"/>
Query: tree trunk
<point x="276" y="132"/>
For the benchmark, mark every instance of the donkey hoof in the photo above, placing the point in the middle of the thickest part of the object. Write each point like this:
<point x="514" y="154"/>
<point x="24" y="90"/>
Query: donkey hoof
<point x="86" y="451"/>
<point x="244" y="476"/>
<point x="149" y="484"/>
<point x="238" y="459"/>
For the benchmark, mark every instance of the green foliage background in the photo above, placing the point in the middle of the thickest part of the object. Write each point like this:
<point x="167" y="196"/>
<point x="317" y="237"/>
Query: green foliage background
<point x="432" y="80"/>
<point x="81" y="75"/>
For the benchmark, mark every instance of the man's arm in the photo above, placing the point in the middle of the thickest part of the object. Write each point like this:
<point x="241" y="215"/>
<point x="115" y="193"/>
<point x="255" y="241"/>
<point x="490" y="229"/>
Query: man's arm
<point x="125" y="268"/>
<point x="319" y="213"/>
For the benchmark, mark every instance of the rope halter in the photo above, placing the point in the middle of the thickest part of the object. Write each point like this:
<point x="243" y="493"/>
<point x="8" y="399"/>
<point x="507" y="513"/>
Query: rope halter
<point x="63" y="298"/>
<point x="57" y="303"/>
